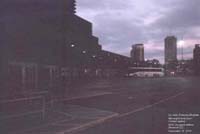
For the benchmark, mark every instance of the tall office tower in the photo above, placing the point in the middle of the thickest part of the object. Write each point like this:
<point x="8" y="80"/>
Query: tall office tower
<point x="137" y="52"/>
<point x="196" y="56"/>
<point x="170" y="49"/>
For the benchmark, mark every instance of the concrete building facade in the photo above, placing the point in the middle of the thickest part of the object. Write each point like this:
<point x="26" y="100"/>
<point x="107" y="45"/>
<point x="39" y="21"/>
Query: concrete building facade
<point x="45" y="46"/>
<point x="170" y="49"/>
<point x="196" y="59"/>
<point x="137" y="53"/>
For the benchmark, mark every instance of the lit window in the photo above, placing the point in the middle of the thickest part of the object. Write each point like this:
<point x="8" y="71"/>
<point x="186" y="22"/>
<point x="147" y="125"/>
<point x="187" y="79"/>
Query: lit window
<point x="72" y="45"/>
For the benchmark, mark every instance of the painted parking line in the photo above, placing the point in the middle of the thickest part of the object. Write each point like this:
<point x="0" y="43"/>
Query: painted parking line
<point x="84" y="112"/>
<point x="74" y="127"/>
<point x="88" y="96"/>
<point x="116" y="116"/>
<point x="150" y="106"/>
<point x="21" y="114"/>
<point x="88" y="125"/>
<point x="68" y="98"/>
<point x="110" y="117"/>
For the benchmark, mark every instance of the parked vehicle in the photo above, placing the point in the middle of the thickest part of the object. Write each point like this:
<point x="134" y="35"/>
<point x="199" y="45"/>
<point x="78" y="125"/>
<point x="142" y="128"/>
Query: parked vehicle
<point x="145" y="72"/>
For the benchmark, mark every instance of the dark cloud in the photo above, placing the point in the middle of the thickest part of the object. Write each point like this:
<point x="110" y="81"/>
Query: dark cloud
<point x="119" y="33"/>
<point x="185" y="16"/>
<point x="119" y="23"/>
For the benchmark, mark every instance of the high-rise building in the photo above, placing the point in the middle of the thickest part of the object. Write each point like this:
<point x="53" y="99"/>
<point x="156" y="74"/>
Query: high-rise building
<point x="137" y="52"/>
<point x="196" y="56"/>
<point x="170" y="49"/>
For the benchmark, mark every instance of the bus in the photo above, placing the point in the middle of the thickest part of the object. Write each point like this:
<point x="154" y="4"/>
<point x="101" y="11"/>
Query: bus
<point x="145" y="72"/>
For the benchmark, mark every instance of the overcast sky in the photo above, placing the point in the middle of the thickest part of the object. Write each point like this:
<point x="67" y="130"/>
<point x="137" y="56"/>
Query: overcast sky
<point x="120" y="23"/>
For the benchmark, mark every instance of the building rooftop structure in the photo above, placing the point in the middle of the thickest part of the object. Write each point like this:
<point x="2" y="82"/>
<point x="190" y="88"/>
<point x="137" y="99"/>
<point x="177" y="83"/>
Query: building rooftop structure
<point x="137" y="52"/>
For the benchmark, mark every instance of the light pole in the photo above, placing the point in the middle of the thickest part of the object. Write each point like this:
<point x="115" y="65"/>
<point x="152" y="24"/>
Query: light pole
<point x="181" y="44"/>
<point x="181" y="64"/>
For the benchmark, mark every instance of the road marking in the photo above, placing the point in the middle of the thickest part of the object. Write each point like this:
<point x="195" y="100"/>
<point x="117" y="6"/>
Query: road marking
<point x="20" y="115"/>
<point x="20" y="99"/>
<point x="82" y="97"/>
<point x="88" y="96"/>
<point x="150" y="106"/>
<point x="113" y="116"/>
<point x="64" y="113"/>
<point x="88" y="125"/>
<point x="101" y="113"/>
<point x="116" y="116"/>
<point x="72" y="129"/>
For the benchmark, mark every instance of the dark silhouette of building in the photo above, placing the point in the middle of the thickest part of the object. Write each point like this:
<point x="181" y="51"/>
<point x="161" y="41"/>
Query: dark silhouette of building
<point x="153" y="63"/>
<point x="170" y="49"/>
<point x="185" y="67"/>
<point x="137" y="53"/>
<point x="43" y="44"/>
<point x="45" y="47"/>
<point x="112" y="64"/>
<point x="170" y="55"/>
<point x="196" y="60"/>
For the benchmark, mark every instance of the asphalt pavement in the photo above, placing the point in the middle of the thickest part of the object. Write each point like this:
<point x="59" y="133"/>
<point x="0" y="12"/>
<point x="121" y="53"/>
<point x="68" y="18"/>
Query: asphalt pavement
<point x="120" y="106"/>
<point x="144" y="105"/>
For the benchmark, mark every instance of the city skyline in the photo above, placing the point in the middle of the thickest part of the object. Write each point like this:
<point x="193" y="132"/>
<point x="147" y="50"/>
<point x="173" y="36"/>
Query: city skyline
<point x="129" y="22"/>
<point x="58" y="76"/>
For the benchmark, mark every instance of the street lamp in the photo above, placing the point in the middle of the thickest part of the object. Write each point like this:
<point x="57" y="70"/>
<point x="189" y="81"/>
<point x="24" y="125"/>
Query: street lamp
<point x="181" y="44"/>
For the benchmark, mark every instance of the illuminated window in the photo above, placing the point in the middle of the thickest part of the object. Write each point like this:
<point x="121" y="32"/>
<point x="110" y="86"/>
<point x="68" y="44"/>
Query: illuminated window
<point x="72" y="45"/>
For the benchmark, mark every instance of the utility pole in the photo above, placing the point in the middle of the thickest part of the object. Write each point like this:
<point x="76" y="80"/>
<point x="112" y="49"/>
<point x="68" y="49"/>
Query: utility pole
<point x="182" y="58"/>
